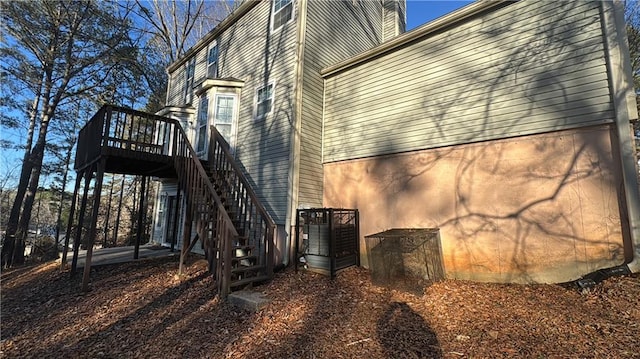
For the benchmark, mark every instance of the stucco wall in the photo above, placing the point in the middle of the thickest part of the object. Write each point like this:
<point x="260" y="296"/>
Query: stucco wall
<point x="538" y="208"/>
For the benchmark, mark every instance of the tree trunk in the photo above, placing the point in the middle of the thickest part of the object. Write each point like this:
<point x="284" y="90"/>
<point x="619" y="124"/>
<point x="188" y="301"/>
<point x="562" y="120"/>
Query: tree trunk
<point x="134" y="211"/>
<point x="36" y="160"/>
<point x="25" y="174"/>
<point x="67" y="161"/>
<point x="108" y="215"/>
<point x="115" y="231"/>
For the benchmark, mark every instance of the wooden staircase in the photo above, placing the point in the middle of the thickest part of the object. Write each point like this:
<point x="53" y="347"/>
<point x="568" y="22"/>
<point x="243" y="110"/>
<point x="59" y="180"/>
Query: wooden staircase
<point x="236" y="231"/>
<point x="252" y="253"/>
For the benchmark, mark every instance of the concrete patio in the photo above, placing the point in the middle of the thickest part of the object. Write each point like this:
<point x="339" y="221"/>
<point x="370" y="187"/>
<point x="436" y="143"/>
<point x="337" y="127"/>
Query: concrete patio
<point x="102" y="256"/>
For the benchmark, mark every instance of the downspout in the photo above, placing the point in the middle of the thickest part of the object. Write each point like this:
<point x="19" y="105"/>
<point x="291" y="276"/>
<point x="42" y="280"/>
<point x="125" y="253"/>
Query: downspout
<point x="621" y="85"/>
<point x="294" y="154"/>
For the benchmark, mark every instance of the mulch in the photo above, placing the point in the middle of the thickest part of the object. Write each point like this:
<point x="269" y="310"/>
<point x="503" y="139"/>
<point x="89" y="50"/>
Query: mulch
<point x="145" y="310"/>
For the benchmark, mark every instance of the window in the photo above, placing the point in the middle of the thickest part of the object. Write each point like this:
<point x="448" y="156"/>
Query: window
<point x="264" y="101"/>
<point x="212" y="62"/>
<point x="161" y="206"/>
<point x="223" y="118"/>
<point x="282" y="12"/>
<point x="188" y="83"/>
<point x="201" y="125"/>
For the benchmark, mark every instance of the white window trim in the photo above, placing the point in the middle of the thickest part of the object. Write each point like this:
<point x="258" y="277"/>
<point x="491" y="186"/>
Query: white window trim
<point x="162" y="203"/>
<point x="234" y="121"/>
<point x="255" y="101"/>
<point x="188" y="85"/>
<point x="273" y="13"/>
<point x="206" y="125"/>
<point x="212" y="45"/>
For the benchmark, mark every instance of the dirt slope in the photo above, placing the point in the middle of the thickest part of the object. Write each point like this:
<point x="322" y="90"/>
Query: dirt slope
<point x="144" y="310"/>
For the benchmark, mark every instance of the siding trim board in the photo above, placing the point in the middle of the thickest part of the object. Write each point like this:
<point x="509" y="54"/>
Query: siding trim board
<point x="293" y="177"/>
<point x="624" y="98"/>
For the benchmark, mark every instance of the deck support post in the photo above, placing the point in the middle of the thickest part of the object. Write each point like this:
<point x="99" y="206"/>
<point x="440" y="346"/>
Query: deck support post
<point x="176" y="212"/>
<point x="141" y="215"/>
<point x="72" y="213"/>
<point x="186" y="240"/>
<point x="83" y="208"/>
<point x="97" y="189"/>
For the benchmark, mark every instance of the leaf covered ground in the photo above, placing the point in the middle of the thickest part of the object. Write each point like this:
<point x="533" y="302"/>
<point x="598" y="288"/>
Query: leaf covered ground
<point x="145" y="310"/>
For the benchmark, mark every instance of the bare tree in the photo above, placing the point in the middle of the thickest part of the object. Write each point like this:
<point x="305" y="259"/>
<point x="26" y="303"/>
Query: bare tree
<point x="175" y="26"/>
<point x="167" y="30"/>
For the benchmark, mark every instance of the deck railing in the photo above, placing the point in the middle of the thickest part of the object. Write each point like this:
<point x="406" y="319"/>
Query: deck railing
<point x="120" y="128"/>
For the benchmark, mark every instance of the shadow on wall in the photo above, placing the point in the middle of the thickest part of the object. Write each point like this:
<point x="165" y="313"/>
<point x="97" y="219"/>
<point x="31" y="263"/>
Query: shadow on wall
<point x="540" y="208"/>
<point x="404" y="333"/>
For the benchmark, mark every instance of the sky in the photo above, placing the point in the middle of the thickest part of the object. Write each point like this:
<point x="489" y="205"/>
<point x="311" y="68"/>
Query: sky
<point x="420" y="12"/>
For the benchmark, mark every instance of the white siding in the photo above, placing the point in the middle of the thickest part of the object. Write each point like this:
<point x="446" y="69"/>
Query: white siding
<point x="394" y="20"/>
<point x="165" y="189"/>
<point x="528" y="67"/>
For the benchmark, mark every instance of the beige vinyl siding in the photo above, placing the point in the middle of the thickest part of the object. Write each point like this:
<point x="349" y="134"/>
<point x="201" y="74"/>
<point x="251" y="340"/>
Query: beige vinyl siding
<point x="394" y="22"/>
<point x="175" y="96"/>
<point x="249" y="52"/>
<point x="525" y="68"/>
<point x="335" y="31"/>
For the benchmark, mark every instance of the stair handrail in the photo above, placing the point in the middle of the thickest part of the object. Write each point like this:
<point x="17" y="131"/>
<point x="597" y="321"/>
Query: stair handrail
<point x="218" y="139"/>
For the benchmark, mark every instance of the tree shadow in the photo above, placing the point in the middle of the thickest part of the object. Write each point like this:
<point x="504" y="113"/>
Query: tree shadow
<point x="404" y="333"/>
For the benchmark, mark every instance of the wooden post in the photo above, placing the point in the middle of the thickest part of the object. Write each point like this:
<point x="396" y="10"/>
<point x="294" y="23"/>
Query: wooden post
<point x="136" y="250"/>
<point x="269" y="237"/>
<point x="83" y="208"/>
<point x="94" y="223"/>
<point x="186" y="240"/>
<point x="176" y="212"/>
<point x="332" y="243"/>
<point x="70" y="221"/>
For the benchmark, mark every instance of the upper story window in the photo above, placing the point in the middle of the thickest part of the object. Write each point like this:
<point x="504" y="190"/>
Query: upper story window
<point x="264" y="101"/>
<point x="201" y="125"/>
<point x="188" y="82"/>
<point x="212" y="62"/>
<point x="282" y="12"/>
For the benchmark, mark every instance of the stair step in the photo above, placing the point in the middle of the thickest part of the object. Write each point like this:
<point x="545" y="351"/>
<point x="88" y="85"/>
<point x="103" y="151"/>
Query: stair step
<point x="244" y="269"/>
<point x="239" y="258"/>
<point x="249" y="280"/>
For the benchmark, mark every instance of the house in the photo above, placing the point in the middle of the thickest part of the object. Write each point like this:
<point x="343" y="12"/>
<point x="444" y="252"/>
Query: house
<point x="256" y="78"/>
<point x="504" y="124"/>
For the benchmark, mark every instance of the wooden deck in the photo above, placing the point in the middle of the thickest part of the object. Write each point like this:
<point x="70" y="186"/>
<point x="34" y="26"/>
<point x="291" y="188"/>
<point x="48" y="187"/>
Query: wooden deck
<point x="131" y="142"/>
